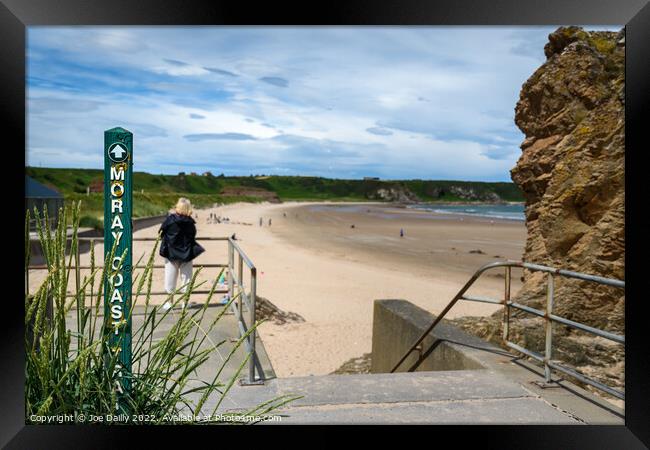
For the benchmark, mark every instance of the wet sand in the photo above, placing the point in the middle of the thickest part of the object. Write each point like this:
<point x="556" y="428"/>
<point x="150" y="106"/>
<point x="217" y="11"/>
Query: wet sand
<point x="312" y="262"/>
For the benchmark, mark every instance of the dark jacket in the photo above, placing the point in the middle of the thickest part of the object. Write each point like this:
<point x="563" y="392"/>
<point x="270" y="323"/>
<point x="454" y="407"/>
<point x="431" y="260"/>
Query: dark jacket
<point x="178" y="242"/>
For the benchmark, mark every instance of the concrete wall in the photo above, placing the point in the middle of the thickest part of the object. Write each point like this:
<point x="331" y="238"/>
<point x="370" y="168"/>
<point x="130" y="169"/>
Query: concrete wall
<point x="146" y="222"/>
<point x="397" y="324"/>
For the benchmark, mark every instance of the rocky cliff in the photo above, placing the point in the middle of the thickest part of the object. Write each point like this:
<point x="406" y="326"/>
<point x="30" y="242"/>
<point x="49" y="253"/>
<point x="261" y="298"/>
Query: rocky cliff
<point x="399" y="194"/>
<point x="572" y="173"/>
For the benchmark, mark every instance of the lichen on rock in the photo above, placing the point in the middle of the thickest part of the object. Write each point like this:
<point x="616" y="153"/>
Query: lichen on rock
<point x="572" y="171"/>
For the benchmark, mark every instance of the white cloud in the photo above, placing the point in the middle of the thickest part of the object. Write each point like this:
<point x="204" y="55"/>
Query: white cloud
<point x="439" y="100"/>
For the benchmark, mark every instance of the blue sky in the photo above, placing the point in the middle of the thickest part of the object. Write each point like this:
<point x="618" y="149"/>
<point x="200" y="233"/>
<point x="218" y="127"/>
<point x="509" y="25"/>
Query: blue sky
<point x="343" y="102"/>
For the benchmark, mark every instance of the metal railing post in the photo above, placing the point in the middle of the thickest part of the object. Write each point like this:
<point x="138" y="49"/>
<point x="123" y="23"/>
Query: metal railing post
<point x="89" y="319"/>
<point x="77" y="274"/>
<point x="231" y="270"/>
<point x="28" y="256"/>
<point x="240" y="280"/>
<point x="253" y="301"/>
<point x="550" y="291"/>
<point x="506" y="306"/>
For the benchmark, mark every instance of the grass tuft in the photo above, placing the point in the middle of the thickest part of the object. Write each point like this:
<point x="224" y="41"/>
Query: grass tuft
<point x="73" y="371"/>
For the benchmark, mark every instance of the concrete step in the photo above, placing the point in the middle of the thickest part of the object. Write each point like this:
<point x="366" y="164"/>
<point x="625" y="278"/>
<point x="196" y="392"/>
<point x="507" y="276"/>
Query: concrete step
<point x="224" y="335"/>
<point x="469" y="396"/>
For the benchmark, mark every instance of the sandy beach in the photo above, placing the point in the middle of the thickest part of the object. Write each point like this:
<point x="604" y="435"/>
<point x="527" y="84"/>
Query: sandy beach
<point x="329" y="262"/>
<point x="316" y="265"/>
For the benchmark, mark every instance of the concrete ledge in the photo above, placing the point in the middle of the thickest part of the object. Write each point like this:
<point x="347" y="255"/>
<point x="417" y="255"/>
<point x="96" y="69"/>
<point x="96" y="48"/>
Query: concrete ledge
<point x="468" y="397"/>
<point x="397" y="324"/>
<point x="460" y="379"/>
<point x="510" y="411"/>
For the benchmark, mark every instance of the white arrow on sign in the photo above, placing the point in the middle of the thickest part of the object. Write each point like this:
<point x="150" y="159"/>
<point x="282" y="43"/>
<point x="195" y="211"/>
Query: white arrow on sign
<point x="118" y="151"/>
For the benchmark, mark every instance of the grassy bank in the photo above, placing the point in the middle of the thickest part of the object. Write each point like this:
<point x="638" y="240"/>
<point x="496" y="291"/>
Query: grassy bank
<point x="155" y="194"/>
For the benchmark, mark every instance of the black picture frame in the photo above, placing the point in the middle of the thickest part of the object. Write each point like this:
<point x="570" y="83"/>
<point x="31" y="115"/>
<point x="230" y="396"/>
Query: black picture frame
<point x="16" y="15"/>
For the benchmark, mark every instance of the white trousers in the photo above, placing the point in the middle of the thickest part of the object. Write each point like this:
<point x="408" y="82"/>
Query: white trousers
<point x="172" y="269"/>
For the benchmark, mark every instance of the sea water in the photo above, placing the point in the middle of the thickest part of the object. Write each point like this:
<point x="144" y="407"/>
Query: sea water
<point x="494" y="211"/>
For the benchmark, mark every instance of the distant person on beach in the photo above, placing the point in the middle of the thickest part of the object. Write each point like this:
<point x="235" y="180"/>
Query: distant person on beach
<point x="260" y="221"/>
<point x="269" y="222"/>
<point x="178" y="246"/>
<point x="401" y="232"/>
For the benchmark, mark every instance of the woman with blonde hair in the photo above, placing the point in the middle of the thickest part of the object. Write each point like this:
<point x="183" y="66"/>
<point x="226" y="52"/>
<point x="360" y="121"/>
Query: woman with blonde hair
<point x="178" y="246"/>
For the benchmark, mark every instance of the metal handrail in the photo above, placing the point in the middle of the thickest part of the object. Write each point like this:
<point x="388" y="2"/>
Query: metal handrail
<point x="101" y="238"/>
<point x="235" y="282"/>
<point x="547" y="315"/>
<point x="77" y="266"/>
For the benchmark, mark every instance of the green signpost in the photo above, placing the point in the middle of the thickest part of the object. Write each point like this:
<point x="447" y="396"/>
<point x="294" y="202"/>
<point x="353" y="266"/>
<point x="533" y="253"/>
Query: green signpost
<point x="118" y="207"/>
